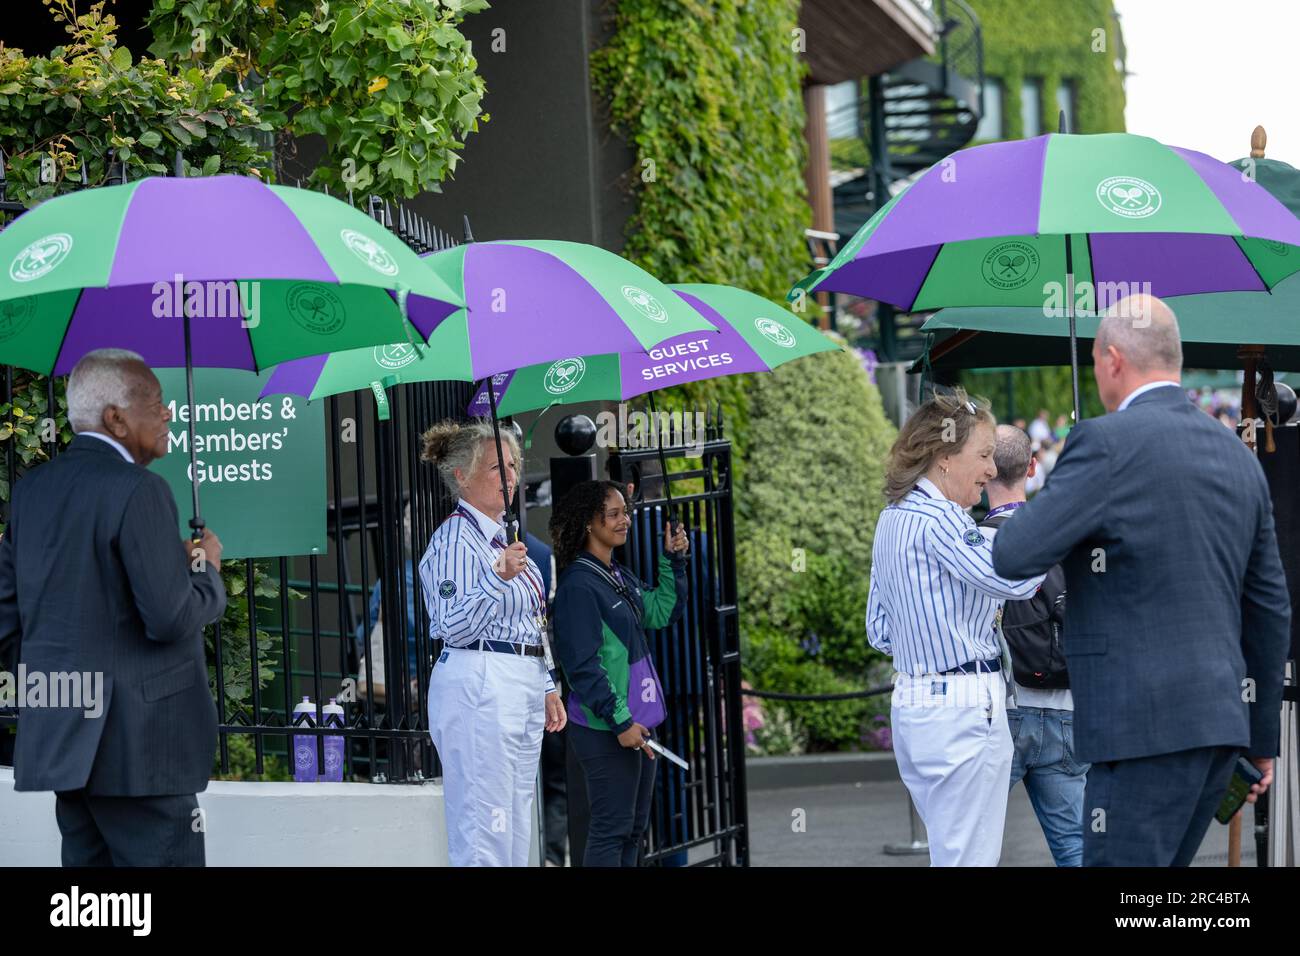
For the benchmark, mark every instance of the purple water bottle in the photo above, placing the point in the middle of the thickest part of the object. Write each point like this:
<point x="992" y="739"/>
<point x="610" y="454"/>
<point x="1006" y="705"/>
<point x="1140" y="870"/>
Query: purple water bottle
<point x="304" y="745"/>
<point x="334" y="743"/>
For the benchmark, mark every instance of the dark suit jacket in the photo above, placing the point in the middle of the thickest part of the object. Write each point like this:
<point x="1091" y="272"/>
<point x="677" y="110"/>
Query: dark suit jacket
<point x="1192" y="600"/>
<point x="94" y="578"/>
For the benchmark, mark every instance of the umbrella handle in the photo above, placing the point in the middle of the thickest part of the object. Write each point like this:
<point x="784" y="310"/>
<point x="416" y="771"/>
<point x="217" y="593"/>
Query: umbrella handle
<point x="501" y="463"/>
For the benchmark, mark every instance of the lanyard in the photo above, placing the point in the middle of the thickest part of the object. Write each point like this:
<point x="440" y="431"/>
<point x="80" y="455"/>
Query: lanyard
<point x="535" y="585"/>
<point x="614" y="579"/>
<point x="1003" y="509"/>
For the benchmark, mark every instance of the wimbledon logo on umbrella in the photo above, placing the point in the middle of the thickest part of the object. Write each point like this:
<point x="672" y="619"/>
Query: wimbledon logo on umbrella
<point x="15" y="315"/>
<point x="1010" y="265"/>
<point x="564" y="375"/>
<point x="775" y="332"/>
<point x="370" y="252"/>
<point x="40" y="257"/>
<point x="316" y="307"/>
<point x="645" y="303"/>
<point x="393" y="357"/>
<point x="1128" y="196"/>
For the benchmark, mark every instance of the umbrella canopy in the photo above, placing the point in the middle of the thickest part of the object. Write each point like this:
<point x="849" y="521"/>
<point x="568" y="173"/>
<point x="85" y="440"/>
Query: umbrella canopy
<point x="539" y="300"/>
<point x="266" y="273"/>
<point x="1212" y="325"/>
<point x="753" y="336"/>
<point x="988" y="227"/>
<point x="526" y="302"/>
<point x="1017" y="223"/>
<point x="223" y="272"/>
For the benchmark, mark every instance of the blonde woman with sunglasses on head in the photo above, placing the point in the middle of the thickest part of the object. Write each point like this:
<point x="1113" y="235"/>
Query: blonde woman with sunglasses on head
<point x="932" y="605"/>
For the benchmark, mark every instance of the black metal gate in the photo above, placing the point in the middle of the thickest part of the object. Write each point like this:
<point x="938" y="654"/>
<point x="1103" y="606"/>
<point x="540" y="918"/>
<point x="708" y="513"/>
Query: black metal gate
<point x="698" y="659"/>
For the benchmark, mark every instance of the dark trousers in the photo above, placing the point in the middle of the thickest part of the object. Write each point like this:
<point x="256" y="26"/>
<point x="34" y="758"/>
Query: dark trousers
<point x="1153" y="811"/>
<point x="620" y="785"/>
<point x="129" y="831"/>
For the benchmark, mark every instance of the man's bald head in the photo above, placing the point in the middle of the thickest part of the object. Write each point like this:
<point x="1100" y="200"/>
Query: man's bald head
<point x="1145" y="331"/>
<point x="1137" y="343"/>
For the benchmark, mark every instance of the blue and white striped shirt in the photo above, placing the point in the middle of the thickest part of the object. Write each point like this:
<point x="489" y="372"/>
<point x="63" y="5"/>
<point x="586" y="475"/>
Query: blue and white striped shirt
<point x="466" y="599"/>
<point x="934" y="593"/>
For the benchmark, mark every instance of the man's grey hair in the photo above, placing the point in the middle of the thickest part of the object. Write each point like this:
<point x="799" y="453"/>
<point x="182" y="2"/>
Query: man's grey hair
<point x="1011" y="455"/>
<point x="102" y="378"/>
<point x="1145" y="331"/>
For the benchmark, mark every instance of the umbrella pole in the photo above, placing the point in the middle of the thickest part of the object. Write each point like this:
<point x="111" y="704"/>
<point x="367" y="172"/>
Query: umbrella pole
<point x="663" y="464"/>
<point x="196" y="522"/>
<point x="501" y="461"/>
<point x="1069" y="312"/>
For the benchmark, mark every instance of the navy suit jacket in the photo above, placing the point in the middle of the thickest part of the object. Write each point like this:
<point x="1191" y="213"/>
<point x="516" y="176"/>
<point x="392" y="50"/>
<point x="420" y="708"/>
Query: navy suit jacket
<point x="94" y="578"/>
<point x="1163" y="522"/>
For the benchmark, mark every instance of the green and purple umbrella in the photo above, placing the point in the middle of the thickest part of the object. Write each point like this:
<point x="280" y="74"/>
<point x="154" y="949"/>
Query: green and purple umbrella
<point x="222" y="272"/>
<point x="526" y="301"/>
<point x="1212" y="325"/>
<point x="1019" y="223"/>
<point x="754" y="335"/>
<point x="266" y="274"/>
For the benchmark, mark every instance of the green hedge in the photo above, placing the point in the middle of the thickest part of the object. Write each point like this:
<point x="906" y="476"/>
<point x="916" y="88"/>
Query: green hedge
<point x="818" y="441"/>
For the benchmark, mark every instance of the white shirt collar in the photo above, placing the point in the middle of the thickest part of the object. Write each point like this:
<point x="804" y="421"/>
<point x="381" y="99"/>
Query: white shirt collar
<point x="488" y="526"/>
<point x="1142" y="390"/>
<point x="121" y="450"/>
<point x="930" y="488"/>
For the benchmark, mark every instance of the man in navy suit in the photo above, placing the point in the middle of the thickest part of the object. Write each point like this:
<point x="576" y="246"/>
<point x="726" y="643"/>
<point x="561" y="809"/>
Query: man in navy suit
<point x="1178" y="619"/>
<point x="94" y="579"/>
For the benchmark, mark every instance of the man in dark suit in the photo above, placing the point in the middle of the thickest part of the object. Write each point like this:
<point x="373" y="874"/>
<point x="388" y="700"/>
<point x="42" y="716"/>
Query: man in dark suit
<point x="95" y="580"/>
<point x="1178" y="619"/>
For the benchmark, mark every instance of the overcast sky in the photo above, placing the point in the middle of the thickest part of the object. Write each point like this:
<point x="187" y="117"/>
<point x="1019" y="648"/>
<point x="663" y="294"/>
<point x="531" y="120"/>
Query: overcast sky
<point x="1207" y="72"/>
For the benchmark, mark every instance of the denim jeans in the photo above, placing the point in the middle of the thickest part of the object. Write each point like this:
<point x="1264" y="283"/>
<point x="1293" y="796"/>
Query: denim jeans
<point x="1044" y="759"/>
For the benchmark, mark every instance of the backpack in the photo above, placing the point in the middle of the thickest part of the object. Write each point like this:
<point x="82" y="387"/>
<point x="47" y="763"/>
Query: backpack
<point x="1032" y="629"/>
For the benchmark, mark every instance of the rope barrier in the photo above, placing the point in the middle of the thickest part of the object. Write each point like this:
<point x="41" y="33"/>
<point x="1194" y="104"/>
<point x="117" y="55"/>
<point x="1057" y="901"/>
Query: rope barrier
<point x="848" y="695"/>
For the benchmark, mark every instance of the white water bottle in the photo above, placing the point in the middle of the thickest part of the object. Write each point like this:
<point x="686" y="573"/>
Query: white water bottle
<point x="304" y="745"/>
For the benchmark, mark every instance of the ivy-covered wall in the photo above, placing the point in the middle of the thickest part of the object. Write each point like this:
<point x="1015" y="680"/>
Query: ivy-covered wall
<point x="1054" y="41"/>
<point x="1050" y="41"/>
<point x="708" y="95"/>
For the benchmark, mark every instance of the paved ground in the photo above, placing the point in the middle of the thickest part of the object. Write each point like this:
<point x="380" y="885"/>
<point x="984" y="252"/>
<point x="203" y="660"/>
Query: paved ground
<point x="850" y="824"/>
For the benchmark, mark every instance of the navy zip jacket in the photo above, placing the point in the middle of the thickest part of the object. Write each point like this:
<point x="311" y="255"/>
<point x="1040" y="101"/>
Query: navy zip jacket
<point x="603" y="650"/>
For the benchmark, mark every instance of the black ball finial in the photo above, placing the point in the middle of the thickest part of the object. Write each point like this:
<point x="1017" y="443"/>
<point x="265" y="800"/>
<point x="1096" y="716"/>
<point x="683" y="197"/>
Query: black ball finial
<point x="575" y="434"/>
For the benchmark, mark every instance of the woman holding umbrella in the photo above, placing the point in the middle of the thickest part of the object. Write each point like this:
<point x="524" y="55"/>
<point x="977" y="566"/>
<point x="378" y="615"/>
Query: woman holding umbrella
<point x="931" y="606"/>
<point x="491" y="694"/>
<point x="601" y="616"/>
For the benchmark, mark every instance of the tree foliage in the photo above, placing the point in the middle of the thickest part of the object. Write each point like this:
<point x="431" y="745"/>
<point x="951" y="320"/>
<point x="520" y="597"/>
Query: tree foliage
<point x="391" y="85"/>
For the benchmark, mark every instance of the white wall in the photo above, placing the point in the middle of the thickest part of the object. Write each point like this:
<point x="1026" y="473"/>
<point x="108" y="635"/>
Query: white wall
<point x="269" y="824"/>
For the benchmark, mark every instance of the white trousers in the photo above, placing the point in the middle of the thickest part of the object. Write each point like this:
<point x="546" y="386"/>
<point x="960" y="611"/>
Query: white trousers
<point x="954" y="753"/>
<point x="487" y="713"/>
